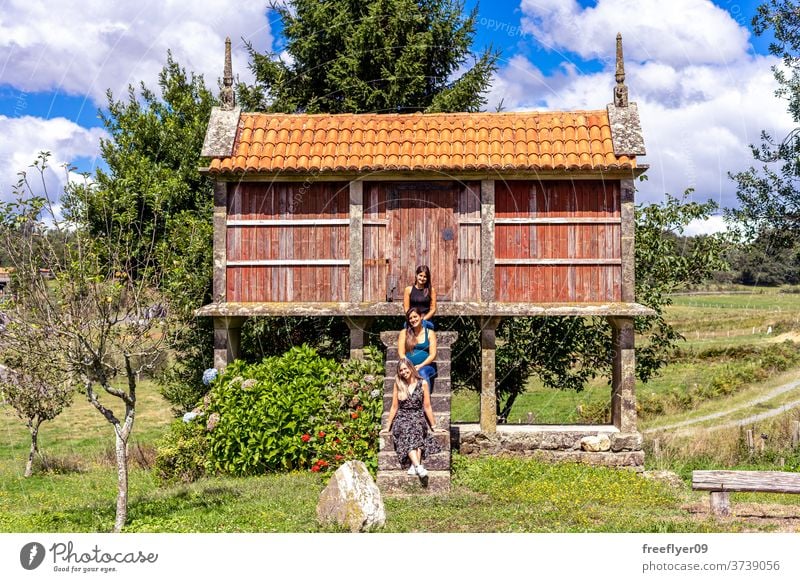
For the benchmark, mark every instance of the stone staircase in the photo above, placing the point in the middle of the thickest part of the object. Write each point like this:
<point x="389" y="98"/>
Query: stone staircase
<point x="392" y="479"/>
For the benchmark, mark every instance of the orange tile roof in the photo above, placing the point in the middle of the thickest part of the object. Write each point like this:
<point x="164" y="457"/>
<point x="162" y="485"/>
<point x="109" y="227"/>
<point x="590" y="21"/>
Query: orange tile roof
<point x="541" y="141"/>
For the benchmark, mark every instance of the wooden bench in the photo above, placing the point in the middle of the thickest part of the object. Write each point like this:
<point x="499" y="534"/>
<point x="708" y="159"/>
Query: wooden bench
<point x="721" y="483"/>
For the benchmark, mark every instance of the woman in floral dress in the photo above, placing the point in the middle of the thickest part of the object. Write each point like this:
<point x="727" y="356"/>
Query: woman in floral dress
<point x="410" y="417"/>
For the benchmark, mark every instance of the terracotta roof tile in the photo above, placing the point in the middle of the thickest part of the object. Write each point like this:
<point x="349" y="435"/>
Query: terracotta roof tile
<point x="452" y="141"/>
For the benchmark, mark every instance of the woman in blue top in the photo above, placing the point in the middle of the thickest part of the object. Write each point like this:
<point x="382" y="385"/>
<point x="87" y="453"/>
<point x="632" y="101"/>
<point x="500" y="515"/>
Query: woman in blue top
<point x="417" y="342"/>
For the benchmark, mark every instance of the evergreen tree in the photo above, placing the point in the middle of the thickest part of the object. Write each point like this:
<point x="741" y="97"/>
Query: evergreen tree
<point x="768" y="196"/>
<point x="385" y="56"/>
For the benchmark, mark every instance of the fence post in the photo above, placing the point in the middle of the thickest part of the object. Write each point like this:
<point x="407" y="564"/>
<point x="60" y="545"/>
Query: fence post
<point x="751" y="446"/>
<point x="795" y="433"/>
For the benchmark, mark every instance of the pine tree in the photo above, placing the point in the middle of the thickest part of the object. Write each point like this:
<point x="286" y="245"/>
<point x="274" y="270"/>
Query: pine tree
<point x="385" y="56"/>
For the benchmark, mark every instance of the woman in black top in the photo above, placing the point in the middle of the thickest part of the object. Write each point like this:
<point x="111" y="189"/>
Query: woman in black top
<point x="421" y="295"/>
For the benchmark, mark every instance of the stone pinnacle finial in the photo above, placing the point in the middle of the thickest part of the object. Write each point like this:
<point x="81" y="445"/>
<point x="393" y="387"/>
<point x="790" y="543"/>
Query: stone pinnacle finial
<point x="620" y="91"/>
<point x="226" y="95"/>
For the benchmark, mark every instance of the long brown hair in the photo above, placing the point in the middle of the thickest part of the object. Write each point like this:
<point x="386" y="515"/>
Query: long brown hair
<point x="402" y="386"/>
<point x="411" y="338"/>
<point x="424" y="269"/>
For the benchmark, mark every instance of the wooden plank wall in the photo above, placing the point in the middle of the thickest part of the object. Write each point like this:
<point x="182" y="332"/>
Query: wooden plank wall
<point x="467" y="285"/>
<point x="557" y="241"/>
<point x="407" y="224"/>
<point x="307" y="261"/>
<point x="376" y="257"/>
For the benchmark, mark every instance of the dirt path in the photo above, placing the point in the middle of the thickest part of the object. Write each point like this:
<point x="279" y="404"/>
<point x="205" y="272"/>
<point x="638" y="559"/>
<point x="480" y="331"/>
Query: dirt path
<point x="749" y="404"/>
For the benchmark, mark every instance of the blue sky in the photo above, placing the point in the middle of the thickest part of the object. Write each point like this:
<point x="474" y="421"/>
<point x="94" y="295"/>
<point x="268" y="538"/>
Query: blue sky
<point x="701" y="78"/>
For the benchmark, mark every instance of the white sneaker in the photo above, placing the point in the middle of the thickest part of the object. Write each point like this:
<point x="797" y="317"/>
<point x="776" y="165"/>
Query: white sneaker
<point x="412" y="470"/>
<point x="421" y="471"/>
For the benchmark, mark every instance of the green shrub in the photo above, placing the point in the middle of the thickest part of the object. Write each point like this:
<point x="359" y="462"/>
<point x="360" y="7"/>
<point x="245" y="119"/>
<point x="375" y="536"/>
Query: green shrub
<point x="295" y="411"/>
<point x="183" y="453"/>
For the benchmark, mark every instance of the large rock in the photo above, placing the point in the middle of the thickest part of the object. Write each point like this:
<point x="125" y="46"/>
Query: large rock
<point x="596" y="444"/>
<point x="352" y="499"/>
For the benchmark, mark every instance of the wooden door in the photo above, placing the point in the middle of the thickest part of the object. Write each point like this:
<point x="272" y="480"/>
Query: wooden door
<point x="422" y="230"/>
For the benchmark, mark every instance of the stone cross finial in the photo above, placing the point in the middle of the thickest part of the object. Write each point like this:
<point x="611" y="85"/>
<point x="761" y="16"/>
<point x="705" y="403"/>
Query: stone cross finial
<point x="226" y="95"/>
<point x="620" y="91"/>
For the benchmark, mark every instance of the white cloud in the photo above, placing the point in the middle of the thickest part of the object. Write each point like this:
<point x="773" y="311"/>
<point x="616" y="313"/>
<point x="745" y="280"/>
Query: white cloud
<point x="711" y="225"/>
<point x="699" y="114"/>
<point x="696" y="31"/>
<point x="25" y="137"/>
<point x="85" y="47"/>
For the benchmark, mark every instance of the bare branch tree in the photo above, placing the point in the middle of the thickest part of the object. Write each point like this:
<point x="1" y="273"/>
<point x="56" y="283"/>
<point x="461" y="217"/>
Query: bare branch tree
<point x="83" y="304"/>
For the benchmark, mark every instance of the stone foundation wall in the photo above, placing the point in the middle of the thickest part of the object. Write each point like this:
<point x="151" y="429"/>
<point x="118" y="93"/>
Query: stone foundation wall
<point x="608" y="447"/>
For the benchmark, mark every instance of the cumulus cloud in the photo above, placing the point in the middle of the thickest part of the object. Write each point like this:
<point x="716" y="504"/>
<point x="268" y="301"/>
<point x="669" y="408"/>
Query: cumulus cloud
<point x="703" y="95"/>
<point x="86" y="47"/>
<point x="25" y="137"/>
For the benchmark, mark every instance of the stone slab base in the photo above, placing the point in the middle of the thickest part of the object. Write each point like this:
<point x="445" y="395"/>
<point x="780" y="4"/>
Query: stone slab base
<point x="399" y="483"/>
<point x="550" y="443"/>
<point x="388" y="461"/>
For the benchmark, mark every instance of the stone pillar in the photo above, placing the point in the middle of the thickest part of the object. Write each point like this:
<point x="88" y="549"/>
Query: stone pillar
<point x="488" y="420"/>
<point x="623" y="375"/>
<point x="227" y="337"/>
<point x="628" y="227"/>
<point x="356" y="269"/>
<point x="358" y="327"/>
<point x="219" y="290"/>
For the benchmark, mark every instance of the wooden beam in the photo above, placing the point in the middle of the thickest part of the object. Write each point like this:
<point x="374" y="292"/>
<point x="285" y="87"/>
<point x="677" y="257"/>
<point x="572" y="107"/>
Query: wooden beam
<point x="753" y="481"/>
<point x="572" y="220"/>
<point x="557" y="261"/>
<point x="356" y="221"/>
<point x="291" y="222"/>
<point x="487" y="241"/>
<point x="291" y="263"/>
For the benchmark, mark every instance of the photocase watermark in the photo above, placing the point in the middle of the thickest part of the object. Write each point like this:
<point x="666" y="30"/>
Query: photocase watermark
<point x="67" y="558"/>
<point x="31" y="555"/>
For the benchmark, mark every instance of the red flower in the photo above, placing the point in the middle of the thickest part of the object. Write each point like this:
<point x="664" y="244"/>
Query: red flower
<point x="321" y="435"/>
<point x="306" y="437"/>
<point x="336" y="440"/>
<point x="322" y="463"/>
<point x="359" y="408"/>
<point x="338" y="457"/>
<point x="315" y="469"/>
<point x="354" y="415"/>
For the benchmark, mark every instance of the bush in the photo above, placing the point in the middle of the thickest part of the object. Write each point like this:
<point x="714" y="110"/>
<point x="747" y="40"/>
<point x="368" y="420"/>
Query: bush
<point x="289" y="412"/>
<point x="183" y="454"/>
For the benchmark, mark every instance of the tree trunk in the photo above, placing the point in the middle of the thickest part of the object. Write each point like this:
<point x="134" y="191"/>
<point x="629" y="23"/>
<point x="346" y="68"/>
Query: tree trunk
<point x="121" y="446"/>
<point x="34" y="448"/>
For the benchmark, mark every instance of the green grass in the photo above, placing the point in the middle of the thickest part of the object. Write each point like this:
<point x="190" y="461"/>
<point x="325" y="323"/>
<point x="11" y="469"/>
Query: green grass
<point x="489" y="495"/>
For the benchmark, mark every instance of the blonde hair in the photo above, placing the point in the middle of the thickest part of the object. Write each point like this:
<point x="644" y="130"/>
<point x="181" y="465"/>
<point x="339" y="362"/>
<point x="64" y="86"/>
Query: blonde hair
<point x="402" y="386"/>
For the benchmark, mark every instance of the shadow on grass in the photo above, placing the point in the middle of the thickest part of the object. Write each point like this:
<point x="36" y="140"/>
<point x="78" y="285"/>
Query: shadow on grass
<point x="166" y="506"/>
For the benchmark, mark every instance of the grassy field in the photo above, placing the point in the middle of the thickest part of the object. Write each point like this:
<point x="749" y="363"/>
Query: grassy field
<point x="74" y="488"/>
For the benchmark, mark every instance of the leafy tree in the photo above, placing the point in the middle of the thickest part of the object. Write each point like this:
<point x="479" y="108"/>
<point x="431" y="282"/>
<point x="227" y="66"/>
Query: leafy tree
<point x="90" y="324"/>
<point x="566" y="352"/>
<point x="768" y="196"/>
<point x="153" y="201"/>
<point x="355" y="56"/>
<point x="760" y="262"/>
<point x="36" y="394"/>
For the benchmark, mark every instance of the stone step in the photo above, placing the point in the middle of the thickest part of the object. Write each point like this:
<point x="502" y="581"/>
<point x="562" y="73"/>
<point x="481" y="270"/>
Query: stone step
<point x="442" y="353"/>
<point x="440" y="386"/>
<point x="388" y="461"/>
<point x="439" y="402"/>
<point x="399" y="483"/>
<point x="442" y="368"/>
<point x="386" y="440"/>
<point x="442" y="419"/>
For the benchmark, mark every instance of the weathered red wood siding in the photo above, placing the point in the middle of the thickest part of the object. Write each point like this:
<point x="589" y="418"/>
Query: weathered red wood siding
<point x="407" y="224"/>
<point x="581" y="226"/>
<point x="307" y="243"/>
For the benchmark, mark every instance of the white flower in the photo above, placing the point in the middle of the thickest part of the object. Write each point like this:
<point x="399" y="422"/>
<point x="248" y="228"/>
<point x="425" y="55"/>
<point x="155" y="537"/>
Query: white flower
<point x="375" y="393"/>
